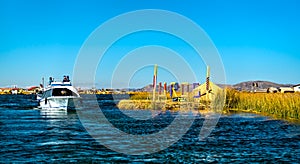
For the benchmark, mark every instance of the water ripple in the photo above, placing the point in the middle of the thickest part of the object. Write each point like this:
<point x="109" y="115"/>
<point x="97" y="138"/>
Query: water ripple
<point x="31" y="135"/>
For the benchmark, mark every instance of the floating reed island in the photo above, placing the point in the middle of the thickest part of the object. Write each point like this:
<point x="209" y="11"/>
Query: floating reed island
<point x="201" y="97"/>
<point x="180" y="102"/>
<point x="210" y="97"/>
<point x="160" y="105"/>
<point x="278" y="105"/>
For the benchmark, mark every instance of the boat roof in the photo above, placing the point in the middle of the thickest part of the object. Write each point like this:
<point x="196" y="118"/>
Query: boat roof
<point x="60" y="84"/>
<point x="55" y="84"/>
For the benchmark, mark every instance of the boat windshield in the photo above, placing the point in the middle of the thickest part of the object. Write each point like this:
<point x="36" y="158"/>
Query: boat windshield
<point x="63" y="92"/>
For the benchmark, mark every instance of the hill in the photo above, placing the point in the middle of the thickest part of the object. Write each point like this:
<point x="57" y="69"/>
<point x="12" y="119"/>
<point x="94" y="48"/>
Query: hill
<point x="243" y="86"/>
<point x="249" y="85"/>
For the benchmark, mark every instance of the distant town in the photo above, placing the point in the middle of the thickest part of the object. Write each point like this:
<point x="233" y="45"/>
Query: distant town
<point x="249" y="86"/>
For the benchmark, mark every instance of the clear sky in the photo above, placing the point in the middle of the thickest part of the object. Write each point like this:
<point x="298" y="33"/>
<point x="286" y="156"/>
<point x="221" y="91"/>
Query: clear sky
<point x="256" y="39"/>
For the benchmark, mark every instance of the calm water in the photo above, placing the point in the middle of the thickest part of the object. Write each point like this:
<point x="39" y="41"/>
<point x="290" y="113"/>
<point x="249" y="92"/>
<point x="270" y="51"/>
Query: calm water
<point x="28" y="134"/>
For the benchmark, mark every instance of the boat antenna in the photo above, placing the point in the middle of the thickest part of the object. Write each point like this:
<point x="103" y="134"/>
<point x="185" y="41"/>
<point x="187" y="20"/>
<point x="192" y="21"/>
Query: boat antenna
<point x="43" y="82"/>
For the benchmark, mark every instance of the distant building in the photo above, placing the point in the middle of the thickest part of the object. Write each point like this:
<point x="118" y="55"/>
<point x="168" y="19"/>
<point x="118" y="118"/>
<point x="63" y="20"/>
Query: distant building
<point x="272" y="90"/>
<point x="286" y="89"/>
<point x="296" y="88"/>
<point x="5" y="91"/>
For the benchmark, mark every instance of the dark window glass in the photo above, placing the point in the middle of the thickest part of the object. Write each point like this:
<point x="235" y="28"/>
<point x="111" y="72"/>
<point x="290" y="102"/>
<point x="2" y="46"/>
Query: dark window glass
<point x="62" y="92"/>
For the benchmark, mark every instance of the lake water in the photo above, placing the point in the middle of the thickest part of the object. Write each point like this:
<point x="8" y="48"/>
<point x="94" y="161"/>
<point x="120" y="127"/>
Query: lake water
<point x="28" y="134"/>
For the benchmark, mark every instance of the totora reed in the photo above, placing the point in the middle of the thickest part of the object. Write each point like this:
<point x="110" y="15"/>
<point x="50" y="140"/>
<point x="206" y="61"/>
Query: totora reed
<point x="280" y="105"/>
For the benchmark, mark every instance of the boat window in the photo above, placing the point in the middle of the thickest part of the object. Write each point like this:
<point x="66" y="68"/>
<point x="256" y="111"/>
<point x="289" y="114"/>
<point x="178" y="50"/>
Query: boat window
<point x="62" y="92"/>
<point x="47" y="94"/>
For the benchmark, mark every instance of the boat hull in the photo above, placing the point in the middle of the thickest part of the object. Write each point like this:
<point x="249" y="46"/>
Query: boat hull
<point x="66" y="103"/>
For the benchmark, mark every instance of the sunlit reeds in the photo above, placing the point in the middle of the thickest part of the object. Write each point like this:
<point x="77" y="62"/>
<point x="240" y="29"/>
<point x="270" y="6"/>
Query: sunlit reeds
<point x="283" y="105"/>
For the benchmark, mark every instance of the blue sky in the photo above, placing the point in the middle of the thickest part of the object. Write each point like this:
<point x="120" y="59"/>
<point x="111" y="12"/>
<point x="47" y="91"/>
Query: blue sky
<point x="257" y="40"/>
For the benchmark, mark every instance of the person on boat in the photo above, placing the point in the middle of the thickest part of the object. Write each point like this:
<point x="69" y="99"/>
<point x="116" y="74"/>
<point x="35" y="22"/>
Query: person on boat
<point x="65" y="79"/>
<point x="63" y="92"/>
<point x="68" y="79"/>
<point x="50" y="80"/>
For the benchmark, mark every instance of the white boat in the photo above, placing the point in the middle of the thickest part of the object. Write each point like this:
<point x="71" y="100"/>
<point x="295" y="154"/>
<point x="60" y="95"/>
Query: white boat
<point x="59" y="95"/>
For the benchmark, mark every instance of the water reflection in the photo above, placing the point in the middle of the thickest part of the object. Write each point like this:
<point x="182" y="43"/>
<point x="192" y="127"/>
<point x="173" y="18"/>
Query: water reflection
<point x="53" y="113"/>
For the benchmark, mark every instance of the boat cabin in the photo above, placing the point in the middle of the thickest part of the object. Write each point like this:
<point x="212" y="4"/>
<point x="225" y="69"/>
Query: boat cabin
<point x="59" y="89"/>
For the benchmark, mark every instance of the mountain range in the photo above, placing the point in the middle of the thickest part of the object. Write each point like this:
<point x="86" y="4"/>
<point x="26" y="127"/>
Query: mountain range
<point x="243" y="86"/>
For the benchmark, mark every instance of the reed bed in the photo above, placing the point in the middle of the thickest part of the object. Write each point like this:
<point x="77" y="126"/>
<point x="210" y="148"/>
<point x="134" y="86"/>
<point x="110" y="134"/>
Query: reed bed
<point x="140" y="96"/>
<point x="282" y="105"/>
<point x="148" y="96"/>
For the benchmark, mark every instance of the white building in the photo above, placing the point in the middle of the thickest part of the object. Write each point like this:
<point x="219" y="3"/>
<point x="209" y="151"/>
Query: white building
<point x="286" y="89"/>
<point x="296" y="88"/>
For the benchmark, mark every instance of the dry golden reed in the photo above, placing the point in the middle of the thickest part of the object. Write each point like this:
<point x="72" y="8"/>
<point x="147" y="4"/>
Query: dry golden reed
<point x="283" y="105"/>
